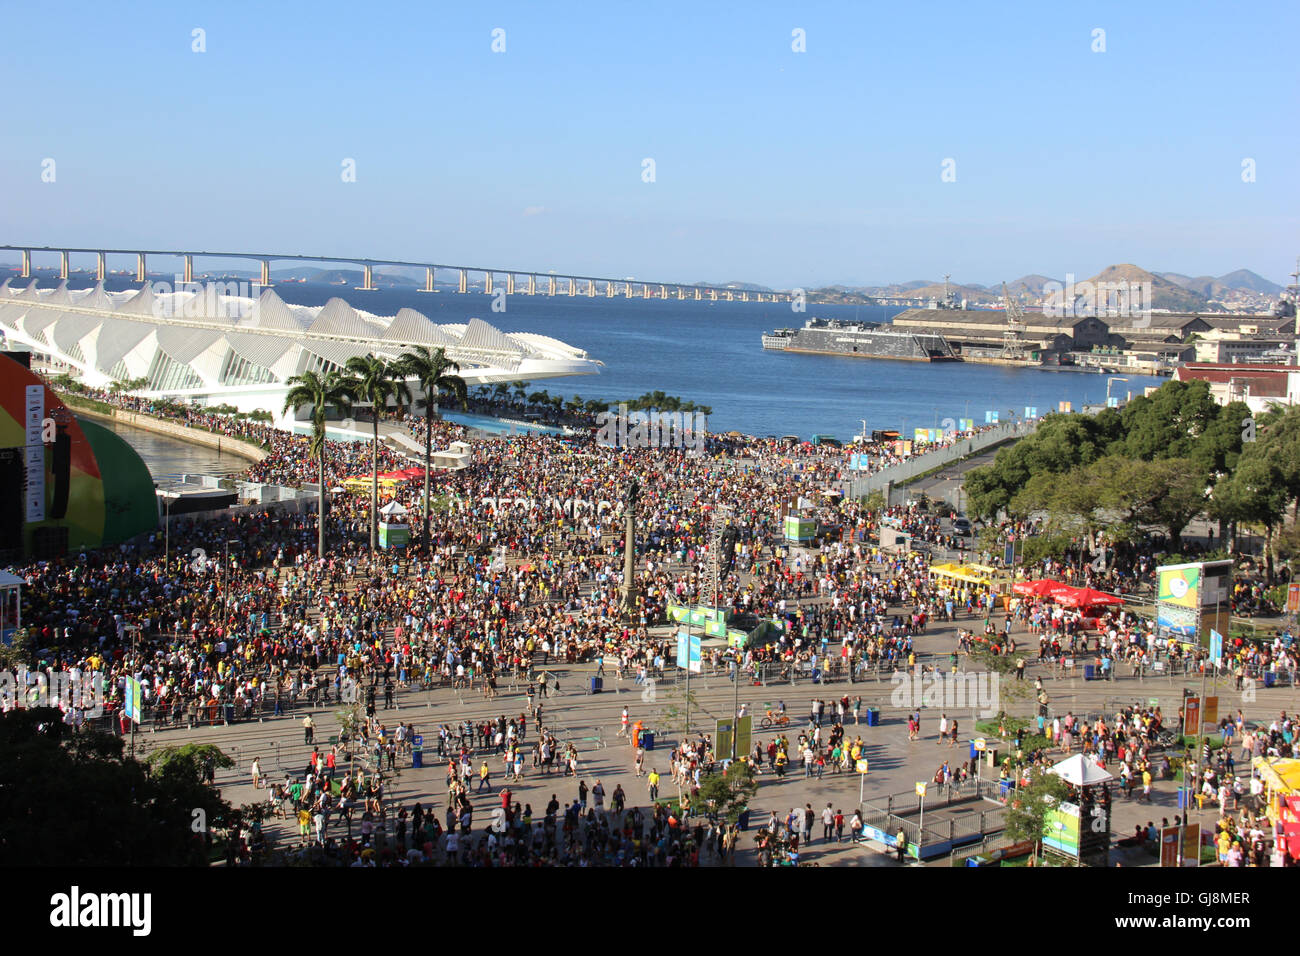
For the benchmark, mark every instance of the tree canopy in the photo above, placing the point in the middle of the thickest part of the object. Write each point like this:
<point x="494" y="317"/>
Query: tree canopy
<point x="74" y="799"/>
<point x="1148" y="465"/>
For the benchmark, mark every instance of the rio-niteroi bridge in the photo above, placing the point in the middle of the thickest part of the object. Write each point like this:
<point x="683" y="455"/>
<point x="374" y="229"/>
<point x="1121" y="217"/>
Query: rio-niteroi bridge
<point x="466" y="278"/>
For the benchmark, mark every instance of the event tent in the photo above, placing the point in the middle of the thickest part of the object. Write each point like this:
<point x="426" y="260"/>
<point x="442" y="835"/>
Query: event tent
<point x="1080" y="771"/>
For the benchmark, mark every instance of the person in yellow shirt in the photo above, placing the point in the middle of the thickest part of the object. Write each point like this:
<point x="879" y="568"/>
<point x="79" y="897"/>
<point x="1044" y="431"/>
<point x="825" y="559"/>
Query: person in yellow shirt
<point x="304" y="824"/>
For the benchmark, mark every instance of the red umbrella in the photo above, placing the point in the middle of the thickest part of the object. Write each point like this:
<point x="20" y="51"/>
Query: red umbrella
<point x="1089" y="597"/>
<point x="1039" y="588"/>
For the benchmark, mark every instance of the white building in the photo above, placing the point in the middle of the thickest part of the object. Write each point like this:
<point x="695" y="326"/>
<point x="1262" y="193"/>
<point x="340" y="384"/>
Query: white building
<point x="209" y="345"/>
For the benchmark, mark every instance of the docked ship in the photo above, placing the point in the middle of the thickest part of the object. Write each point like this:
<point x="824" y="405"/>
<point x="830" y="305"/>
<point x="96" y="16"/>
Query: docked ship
<point x="861" y="340"/>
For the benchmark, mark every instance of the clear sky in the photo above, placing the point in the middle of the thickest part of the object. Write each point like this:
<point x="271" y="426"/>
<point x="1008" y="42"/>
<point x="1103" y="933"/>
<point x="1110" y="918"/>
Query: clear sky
<point x="770" y="165"/>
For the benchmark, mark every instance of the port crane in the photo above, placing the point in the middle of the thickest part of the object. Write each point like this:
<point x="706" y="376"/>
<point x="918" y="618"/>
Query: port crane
<point x="1013" y="343"/>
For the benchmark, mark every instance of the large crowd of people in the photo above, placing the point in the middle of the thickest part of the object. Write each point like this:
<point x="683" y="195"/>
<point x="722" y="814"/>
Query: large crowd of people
<point x="523" y="567"/>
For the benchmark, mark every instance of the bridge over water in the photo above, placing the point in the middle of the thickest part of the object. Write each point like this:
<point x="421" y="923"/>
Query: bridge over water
<point x="466" y="278"/>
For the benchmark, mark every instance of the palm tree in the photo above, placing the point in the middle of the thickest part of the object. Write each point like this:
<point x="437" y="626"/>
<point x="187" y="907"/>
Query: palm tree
<point x="520" y="388"/>
<point x="538" y="398"/>
<point x="321" y="394"/>
<point x="429" y="369"/>
<point x="374" y="382"/>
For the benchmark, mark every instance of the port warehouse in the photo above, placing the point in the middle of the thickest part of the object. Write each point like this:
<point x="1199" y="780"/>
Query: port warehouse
<point x="1150" y="339"/>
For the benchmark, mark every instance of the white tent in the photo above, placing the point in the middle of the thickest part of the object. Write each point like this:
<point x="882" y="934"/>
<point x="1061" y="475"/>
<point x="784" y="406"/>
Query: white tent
<point x="1081" y="771"/>
<point x="393" y="508"/>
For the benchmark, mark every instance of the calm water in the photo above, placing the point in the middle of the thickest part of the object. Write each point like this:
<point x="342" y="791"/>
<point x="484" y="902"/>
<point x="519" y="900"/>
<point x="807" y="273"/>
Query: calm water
<point x="168" y="456"/>
<point x="711" y="353"/>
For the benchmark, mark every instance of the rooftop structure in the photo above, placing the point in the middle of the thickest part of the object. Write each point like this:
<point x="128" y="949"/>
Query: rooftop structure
<point x="207" y="344"/>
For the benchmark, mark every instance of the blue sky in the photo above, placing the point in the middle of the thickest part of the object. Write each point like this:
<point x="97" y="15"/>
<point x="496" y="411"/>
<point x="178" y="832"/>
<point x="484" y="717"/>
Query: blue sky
<point x="773" y="166"/>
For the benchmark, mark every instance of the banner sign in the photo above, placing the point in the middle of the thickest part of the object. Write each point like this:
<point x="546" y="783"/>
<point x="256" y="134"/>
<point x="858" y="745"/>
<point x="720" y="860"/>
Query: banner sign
<point x="35" y="453"/>
<point x="133" y="705"/>
<point x="688" y="643"/>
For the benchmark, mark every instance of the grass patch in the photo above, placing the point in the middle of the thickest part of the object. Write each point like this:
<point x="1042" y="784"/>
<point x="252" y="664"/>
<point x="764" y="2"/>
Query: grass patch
<point x="76" y="401"/>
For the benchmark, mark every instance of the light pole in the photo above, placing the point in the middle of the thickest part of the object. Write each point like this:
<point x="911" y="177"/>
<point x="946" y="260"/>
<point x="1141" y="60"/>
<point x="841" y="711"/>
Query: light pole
<point x="720" y="515"/>
<point x="167" y="533"/>
<point x="135" y="668"/>
<point x="225" y="582"/>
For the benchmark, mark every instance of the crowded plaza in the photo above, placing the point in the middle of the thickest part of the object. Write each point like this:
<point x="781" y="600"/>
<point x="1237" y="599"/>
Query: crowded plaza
<point x="482" y="648"/>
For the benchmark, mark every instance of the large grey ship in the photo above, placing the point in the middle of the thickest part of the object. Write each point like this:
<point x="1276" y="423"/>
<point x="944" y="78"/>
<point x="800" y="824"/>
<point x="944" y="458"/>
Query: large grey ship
<point x="861" y="340"/>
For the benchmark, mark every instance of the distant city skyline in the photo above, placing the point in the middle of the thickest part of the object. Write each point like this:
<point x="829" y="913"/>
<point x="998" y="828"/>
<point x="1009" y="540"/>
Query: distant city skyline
<point x="790" y="146"/>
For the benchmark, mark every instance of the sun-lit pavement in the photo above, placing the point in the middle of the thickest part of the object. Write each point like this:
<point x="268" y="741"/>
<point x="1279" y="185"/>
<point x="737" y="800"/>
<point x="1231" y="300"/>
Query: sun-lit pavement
<point x="592" y="721"/>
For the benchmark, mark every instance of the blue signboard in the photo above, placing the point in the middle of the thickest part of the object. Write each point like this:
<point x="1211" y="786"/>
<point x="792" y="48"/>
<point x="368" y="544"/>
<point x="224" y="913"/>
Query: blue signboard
<point x="691" y="641"/>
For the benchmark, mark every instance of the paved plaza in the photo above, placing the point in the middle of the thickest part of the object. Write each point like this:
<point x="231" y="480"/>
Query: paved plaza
<point x="592" y="722"/>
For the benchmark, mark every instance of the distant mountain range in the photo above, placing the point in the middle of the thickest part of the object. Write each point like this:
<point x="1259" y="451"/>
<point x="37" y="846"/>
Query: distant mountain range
<point x="1210" y="287"/>
<point x="1169" y="290"/>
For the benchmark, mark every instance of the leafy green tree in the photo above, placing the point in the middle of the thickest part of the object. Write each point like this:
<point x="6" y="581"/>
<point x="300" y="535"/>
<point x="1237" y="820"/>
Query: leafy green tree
<point x="1168" y="493"/>
<point x="128" y="385"/>
<point x="320" y="394"/>
<point x="375" y="382"/>
<point x="1254" y="493"/>
<point x="1170" y="422"/>
<point x="74" y="799"/>
<point x="1028" y="805"/>
<point x="431" y="370"/>
<point x="729" y="793"/>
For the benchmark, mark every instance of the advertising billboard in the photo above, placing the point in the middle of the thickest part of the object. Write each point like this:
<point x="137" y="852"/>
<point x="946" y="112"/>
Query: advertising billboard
<point x="1061" y="828"/>
<point x="1193" y="599"/>
<point x="800" y="529"/>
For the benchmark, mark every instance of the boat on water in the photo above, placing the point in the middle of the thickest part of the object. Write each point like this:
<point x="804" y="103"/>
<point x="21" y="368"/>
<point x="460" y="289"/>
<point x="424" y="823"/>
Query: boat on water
<point x="859" y="339"/>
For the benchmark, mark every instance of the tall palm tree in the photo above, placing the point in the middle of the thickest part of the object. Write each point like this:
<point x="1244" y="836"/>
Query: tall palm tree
<point x="374" y="382"/>
<point x="429" y="369"/>
<point x="321" y="394"/>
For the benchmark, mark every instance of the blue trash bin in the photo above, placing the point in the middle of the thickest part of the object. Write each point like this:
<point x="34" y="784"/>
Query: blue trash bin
<point x="648" y="739"/>
<point x="417" y="758"/>
<point x="1005" y="787"/>
<point x="597" y="685"/>
<point x="974" y="754"/>
<point x="1089" y="672"/>
<point x="1270" y="678"/>
<point x="873" y="716"/>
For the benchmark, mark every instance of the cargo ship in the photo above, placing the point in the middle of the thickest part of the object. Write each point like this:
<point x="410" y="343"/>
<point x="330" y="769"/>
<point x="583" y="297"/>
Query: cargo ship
<point x="861" y="340"/>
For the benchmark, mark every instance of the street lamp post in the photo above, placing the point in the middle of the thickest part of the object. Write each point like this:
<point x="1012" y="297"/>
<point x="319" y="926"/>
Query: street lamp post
<point x="225" y="583"/>
<point x="167" y="533"/>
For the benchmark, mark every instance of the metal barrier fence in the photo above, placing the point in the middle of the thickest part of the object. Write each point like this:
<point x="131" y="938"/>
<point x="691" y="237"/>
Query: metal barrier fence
<point x="989" y="819"/>
<point x="908" y="470"/>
